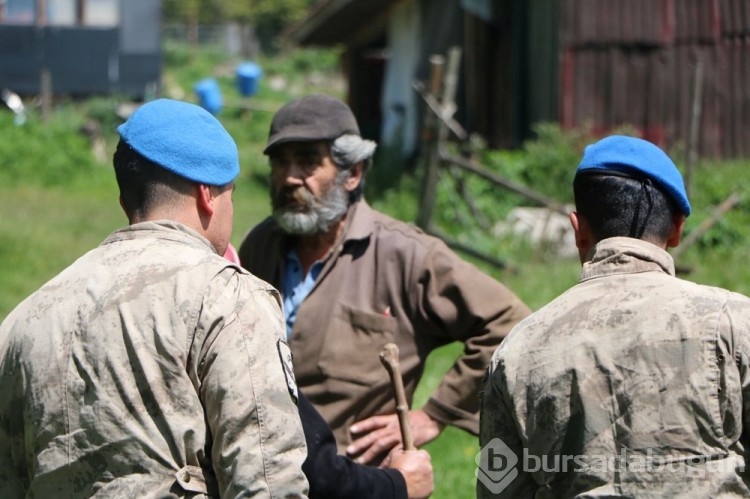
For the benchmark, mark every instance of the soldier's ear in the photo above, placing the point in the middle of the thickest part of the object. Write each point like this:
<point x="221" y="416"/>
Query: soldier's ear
<point x="582" y="230"/>
<point x="675" y="232"/>
<point x="205" y="199"/>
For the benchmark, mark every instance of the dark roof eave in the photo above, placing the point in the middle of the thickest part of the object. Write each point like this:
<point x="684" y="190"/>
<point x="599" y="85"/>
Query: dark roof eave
<point x="334" y="22"/>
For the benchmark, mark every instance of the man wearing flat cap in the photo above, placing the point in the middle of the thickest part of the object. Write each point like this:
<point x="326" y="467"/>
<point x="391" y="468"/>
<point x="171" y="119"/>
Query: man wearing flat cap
<point x="633" y="383"/>
<point x="152" y="366"/>
<point x="353" y="280"/>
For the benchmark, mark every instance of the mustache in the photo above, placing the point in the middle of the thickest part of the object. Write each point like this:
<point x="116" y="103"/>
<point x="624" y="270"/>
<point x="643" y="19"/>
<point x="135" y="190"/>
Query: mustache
<point x="296" y="195"/>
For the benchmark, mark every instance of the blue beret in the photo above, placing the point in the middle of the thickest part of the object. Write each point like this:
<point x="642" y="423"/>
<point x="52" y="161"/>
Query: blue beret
<point x="184" y="139"/>
<point x="638" y="158"/>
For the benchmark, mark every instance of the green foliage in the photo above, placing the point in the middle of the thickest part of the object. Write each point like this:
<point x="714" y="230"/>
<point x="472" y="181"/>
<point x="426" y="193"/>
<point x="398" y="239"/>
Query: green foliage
<point x="469" y="208"/>
<point x="187" y="67"/>
<point x="271" y="16"/>
<point x="176" y="55"/>
<point x="44" y="154"/>
<point x="268" y="17"/>
<point x="549" y="161"/>
<point x="302" y="62"/>
<point x="180" y="10"/>
<point x="300" y="72"/>
<point x="714" y="182"/>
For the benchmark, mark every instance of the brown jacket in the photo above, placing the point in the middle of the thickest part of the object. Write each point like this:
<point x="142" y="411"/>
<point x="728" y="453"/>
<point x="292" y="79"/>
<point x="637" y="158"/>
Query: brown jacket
<point x="434" y="298"/>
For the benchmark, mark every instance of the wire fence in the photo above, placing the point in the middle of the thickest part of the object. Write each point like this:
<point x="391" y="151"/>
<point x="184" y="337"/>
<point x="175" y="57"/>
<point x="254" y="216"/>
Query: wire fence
<point x="234" y="38"/>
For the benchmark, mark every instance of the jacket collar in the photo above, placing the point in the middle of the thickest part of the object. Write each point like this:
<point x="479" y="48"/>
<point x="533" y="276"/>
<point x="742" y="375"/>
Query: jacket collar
<point x="360" y="220"/>
<point x="164" y="229"/>
<point x="624" y="255"/>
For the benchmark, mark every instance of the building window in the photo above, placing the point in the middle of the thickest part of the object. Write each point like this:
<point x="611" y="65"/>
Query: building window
<point x="62" y="12"/>
<point x="17" y="11"/>
<point x="101" y="13"/>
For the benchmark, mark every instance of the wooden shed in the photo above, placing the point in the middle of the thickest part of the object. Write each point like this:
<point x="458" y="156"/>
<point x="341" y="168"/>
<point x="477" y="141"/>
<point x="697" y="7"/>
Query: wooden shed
<point x="387" y="46"/>
<point x="81" y="47"/>
<point x="670" y="68"/>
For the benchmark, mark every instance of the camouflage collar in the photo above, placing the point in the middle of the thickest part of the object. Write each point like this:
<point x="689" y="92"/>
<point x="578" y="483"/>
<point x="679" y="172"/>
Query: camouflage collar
<point x="624" y="255"/>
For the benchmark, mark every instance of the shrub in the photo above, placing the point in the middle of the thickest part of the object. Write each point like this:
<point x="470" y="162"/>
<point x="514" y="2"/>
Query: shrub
<point x="48" y="154"/>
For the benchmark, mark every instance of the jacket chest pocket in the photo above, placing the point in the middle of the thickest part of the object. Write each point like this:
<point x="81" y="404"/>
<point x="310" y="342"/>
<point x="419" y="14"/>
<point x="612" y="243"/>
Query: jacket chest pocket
<point x="352" y="345"/>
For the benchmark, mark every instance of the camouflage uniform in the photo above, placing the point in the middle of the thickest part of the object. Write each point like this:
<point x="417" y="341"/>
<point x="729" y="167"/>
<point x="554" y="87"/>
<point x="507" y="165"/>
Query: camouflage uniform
<point x="641" y="376"/>
<point x="151" y="367"/>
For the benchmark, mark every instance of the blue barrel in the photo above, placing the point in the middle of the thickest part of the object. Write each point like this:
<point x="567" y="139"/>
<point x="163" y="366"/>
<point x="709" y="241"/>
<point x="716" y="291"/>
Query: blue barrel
<point x="248" y="75"/>
<point x="209" y="95"/>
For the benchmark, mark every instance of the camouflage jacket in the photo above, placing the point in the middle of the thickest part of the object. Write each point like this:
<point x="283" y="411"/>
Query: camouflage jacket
<point x="633" y="383"/>
<point x="151" y="367"/>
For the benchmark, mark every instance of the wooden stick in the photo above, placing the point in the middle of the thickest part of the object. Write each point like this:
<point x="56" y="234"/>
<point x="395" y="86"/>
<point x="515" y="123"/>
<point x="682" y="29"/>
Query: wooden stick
<point x="389" y="358"/>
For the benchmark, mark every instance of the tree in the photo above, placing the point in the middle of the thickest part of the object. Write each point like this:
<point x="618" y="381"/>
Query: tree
<point x="267" y="17"/>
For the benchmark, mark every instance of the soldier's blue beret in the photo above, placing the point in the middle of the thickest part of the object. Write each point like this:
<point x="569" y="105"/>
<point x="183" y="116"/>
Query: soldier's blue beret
<point x="637" y="158"/>
<point x="183" y="138"/>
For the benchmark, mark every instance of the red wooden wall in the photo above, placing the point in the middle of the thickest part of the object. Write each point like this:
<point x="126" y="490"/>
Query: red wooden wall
<point x="636" y="62"/>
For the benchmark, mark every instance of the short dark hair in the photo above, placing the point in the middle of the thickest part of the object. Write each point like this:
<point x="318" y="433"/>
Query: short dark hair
<point x="617" y="206"/>
<point x="144" y="185"/>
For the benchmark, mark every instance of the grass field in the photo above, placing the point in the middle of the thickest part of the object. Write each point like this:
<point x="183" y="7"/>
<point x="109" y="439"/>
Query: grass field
<point x="57" y="207"/>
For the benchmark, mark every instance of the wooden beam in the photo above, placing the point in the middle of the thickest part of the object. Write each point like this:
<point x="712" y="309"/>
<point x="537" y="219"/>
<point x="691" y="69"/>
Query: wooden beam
<point x="430" y="155"/>
<point x="498" y="179"/>
<point x="41" y="12"/>
<point x="80" y="12"/>
<point x="463" y="248"/>
<point x="434" y="106"/>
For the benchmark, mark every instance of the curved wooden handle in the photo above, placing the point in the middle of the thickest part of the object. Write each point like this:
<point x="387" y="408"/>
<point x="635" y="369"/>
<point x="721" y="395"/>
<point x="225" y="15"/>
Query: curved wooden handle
<point x="389" y="359"/>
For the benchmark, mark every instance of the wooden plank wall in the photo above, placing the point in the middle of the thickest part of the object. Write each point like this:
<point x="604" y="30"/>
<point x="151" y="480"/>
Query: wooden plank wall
<point x="635" y="62"/>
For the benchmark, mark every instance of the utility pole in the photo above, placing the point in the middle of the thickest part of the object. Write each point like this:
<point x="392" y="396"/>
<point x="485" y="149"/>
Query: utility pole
<point x="80" y="12"/>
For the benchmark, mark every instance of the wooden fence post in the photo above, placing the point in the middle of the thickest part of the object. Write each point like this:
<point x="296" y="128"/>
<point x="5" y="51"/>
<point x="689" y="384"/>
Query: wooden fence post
<point x="695" y="124"/>
<point x="437" y="132"/>
<point x="429" y="145"/>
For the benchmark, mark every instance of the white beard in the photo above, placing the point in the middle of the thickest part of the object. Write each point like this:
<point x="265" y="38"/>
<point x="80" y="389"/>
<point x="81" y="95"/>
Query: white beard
<point x="319" y="215"/>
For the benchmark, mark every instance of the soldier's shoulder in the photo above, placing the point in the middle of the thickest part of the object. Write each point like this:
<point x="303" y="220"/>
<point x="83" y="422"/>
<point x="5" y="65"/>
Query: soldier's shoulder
<point x="705" y="294"/>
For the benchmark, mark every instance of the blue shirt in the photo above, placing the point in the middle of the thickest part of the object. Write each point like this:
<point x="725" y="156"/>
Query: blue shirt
<point x="296" y="287"/>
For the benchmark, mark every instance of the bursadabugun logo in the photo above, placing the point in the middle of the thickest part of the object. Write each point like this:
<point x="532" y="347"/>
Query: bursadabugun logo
<point x="496" y="465"/>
